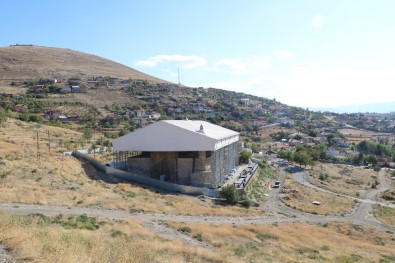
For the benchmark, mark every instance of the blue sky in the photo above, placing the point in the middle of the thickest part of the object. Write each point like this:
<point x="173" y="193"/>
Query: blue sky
<point x="306" y="53"/>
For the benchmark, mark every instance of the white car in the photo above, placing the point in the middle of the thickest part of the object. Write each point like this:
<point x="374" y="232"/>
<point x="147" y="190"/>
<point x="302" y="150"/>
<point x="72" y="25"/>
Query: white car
<point x="276" y="184"/>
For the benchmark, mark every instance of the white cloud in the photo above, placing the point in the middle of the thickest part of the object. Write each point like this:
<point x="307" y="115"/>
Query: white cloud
<point x="318" y="21"/>
<point x="283" y="54"/>
<point x="317" y="87"/>
<point x="237" y="67"/>
<point x="183" y="61"/>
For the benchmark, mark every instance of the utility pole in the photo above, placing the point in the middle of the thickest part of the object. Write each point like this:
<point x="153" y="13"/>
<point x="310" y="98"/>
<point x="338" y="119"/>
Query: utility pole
<point x="38" y="148"/>
<point x="49" y="143"/>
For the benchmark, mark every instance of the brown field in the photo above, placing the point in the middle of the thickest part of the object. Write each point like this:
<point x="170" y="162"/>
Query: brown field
<point x="333" y="242"/>
<point x="53" y="178"/>
<point x="303" y="198"/>
<point x="339" y="178"/>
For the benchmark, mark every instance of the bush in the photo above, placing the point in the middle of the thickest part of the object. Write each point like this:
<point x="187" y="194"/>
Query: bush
<point x="323" y="176"/>
<point x="185" y="229"/>
<point x="230" y="194"/>
<point x="198" y="237"/>
<point x="246" y="203"/>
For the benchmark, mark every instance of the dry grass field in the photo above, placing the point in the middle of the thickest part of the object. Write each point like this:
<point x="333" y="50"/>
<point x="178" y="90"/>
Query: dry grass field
<point x="385" y="214"/>
<point x="339" y="178"/>
<point x="356" y="136"/>
<point x="333" y="242"/>
<point x="303" y="198"/>
<point x="52" y="178"/>
<point x="37" y="238"/>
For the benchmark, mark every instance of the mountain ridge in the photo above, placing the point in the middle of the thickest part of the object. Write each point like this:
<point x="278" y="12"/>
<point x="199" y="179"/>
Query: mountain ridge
<point x="379" y="107"/>
<point x="21" y="62"/>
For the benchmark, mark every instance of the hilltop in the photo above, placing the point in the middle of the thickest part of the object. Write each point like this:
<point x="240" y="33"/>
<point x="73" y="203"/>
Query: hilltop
<point x="21" y="62"/>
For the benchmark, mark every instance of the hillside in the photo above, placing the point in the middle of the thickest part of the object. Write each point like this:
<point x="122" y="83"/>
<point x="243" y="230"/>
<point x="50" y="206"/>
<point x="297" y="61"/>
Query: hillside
<point x="33" y="62"/>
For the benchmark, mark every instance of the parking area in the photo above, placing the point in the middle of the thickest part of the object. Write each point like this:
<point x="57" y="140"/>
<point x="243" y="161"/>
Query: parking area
<point x="241" y="175"/>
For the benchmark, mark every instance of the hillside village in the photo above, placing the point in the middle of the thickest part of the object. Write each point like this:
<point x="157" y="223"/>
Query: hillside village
<point x="48" y="101"/>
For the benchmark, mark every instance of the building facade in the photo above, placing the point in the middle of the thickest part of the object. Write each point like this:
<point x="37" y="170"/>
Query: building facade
<point x="187" y="152"/>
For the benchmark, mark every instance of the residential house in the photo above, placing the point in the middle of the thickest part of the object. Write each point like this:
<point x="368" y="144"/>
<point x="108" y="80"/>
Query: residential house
<point x="75" y="89"/>
<point x="245" y="101"/>
<point x="53" y="114"/>
<point x="141" y="114"/>
<point x="154" y="115"/>
<point x="73" y="117"/>
<point x="179" y="110"/>
<point x="20" y="108"/>
<point x="38" y="89"/>
<point x="7" y="103"/>
<point x="16" y="96"/>
<point x="139" y="121"/>
<point x="66" y="89"/>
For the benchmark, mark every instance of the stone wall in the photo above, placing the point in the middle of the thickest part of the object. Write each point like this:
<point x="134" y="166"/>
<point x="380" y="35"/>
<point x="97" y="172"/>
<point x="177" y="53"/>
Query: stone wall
<point x="184" y="169"/>
<point x="222" y="163"/>
<point x="139" y="165"/>
<point x="143" y="180"/>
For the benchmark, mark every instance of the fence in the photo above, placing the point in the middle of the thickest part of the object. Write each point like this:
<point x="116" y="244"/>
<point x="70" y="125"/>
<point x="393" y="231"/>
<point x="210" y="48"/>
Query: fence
<point x="184" y="189"/>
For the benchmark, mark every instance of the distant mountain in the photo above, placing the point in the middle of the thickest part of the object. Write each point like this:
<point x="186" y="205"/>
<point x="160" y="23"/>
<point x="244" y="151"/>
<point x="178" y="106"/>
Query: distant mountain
<point x="384" y="107"/>
<point x="23" y="62"/>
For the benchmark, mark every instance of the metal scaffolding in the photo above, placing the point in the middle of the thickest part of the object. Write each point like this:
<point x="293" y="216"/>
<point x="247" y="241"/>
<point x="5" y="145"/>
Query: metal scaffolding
<point x="120" y="159"/>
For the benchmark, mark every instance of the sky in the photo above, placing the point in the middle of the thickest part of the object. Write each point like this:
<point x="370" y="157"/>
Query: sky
<point x="306" y="53"/>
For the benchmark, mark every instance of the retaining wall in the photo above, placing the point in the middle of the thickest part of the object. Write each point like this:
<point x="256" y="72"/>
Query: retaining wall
<point x="184" y="189"/>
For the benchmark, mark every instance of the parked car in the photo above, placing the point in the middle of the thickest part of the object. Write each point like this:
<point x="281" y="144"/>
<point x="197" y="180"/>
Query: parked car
<point x="276" y="184"/>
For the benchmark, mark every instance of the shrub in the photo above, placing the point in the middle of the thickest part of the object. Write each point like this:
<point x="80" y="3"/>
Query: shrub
<point x="230" y="194"/>
<point x="377" y="169"/>
<point x="198" y="237"/>
<point x="264" y="236"/>
<point x="323" y="176"/>
<point x="246" y="203"/>
<point x="185" y="229"/>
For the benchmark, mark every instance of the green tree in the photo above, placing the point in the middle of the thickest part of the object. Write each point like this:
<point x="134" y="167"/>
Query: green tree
<point x="3" y="176"/>
<point x="245" y="156"/>
<point x="286" y="155"/>
<point x="3" y="115"/>
<point x="303" y="158"/>
<point x="230" y="194"/>
<point x="255" y="148"/>
<point x="88" y="133"/>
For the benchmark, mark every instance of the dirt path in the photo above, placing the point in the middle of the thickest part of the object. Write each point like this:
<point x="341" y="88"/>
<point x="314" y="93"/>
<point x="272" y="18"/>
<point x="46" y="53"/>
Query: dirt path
<point x="5" y="256"/>
<point x="363" y="212"/>
<point x="303" y="178"/>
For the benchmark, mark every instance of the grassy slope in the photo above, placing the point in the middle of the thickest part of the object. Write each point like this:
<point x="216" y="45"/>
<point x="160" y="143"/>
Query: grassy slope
<point x="57" y="179"/>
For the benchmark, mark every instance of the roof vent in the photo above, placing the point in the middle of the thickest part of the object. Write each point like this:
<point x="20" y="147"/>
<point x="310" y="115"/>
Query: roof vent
<point x="201" y="130"/>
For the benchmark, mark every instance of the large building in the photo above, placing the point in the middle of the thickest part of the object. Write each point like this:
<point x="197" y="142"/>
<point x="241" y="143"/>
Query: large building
<point x="187" y="152"/>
